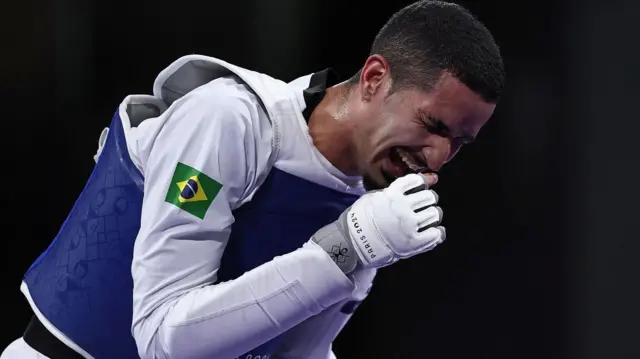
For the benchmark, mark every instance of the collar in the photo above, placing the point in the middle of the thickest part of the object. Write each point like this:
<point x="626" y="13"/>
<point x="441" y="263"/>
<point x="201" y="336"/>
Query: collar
<point x="318" y="84"/>
<point x="309" y="91"/>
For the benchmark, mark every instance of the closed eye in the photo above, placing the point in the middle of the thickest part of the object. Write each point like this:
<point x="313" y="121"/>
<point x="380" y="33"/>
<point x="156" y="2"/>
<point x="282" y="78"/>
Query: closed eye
<point x="438" y="127"/>
<point x="434" y="125"/>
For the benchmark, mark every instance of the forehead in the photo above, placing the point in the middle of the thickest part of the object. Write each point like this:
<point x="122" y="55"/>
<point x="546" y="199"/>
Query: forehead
<point x="454" y="103"/>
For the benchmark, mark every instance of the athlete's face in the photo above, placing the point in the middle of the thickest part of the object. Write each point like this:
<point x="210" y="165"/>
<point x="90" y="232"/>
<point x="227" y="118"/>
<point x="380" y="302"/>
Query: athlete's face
<point x="412" y="130"/>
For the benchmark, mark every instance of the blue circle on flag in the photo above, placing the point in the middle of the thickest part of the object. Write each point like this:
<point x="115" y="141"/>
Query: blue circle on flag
<point x="190" y="190"/>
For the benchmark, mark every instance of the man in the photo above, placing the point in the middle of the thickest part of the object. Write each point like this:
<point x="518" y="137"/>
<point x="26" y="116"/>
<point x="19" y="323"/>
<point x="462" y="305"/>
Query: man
<point x="225" y="216"/>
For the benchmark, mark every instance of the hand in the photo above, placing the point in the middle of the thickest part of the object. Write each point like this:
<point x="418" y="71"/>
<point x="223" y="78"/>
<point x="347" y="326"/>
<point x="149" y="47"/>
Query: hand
<point x="384" y="226"/>
<point x="398" y="222"/>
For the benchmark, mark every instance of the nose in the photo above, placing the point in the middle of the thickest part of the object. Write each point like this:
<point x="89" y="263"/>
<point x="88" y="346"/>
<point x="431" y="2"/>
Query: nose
<point x="438" y="153"/>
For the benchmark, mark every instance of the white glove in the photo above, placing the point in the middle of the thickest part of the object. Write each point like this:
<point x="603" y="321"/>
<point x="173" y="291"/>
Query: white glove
<point x="384" y="226"/>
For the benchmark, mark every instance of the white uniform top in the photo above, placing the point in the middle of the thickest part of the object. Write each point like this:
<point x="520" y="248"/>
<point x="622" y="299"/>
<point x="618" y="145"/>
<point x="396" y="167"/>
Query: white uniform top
<point x="223" y="130"/>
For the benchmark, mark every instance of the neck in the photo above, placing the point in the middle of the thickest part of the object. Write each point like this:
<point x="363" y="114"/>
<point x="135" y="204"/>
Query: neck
<point x="330" y="131"/>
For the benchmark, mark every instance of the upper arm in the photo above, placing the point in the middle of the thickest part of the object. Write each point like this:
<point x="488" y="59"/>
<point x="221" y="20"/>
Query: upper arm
<point x="217" y="137"/>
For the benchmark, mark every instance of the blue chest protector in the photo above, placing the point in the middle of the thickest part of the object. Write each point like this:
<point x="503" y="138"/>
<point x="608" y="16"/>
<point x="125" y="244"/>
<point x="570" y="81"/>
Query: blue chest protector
<point x="82" y="283"/>
<point x="285" y="212"/>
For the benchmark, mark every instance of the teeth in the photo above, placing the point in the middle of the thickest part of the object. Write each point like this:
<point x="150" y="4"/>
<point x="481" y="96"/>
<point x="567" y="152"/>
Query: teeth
<point x="409" y="161"/>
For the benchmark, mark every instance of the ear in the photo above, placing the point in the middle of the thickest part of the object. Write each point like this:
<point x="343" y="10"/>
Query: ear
<point x="375" y="78"/>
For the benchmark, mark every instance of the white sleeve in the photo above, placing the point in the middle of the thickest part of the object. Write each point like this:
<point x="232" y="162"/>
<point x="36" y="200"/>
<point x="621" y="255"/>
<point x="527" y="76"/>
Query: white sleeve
<point x="177" y="310"/>
<point x="313" y="338"/>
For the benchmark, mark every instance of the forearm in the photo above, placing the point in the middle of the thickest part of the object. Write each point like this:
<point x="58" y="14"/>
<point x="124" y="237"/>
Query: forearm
<point x="313" y="338"/>
<point x="231" y="318"/>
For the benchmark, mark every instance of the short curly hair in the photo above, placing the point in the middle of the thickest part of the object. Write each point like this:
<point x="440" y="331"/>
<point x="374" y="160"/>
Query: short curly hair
<point x="428" y="37"/>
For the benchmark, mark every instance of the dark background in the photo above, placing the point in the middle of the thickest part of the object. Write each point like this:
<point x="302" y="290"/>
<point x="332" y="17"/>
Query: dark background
<point x="541" y="211"/>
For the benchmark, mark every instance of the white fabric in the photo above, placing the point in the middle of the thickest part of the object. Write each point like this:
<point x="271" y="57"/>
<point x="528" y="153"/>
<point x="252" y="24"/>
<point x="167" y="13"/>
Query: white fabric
<point x="101" y="142"/>
<point x="232" y="125"/>
<point x="19" y="349"/>
<point x="312" y="339"/>
<point x="221" y="129"/>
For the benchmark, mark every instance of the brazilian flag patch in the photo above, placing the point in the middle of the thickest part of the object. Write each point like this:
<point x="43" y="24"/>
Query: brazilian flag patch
<point x="192" y="190"/>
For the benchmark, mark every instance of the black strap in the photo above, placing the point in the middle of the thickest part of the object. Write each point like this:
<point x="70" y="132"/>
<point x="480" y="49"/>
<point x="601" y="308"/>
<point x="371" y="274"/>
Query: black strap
<point x="41" y="339"/>
<point x="317" y="89"/>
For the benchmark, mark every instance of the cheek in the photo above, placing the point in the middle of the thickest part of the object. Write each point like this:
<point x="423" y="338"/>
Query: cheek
<point x="401" y="130"/>
<point x="412" y="134"/>
<point x="395" y="126"/>
<point x="382" y="134"/>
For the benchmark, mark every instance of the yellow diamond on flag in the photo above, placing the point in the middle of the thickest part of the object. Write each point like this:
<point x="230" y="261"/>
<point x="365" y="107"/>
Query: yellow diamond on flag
<point x="191" y="190"/>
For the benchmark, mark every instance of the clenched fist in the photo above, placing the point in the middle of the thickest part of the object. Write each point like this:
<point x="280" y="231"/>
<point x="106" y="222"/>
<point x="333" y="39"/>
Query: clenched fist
<point x="384" y="226"/>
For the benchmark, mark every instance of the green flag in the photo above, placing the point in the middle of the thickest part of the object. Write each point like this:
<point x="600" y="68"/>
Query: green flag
<point x="192" y="190"/>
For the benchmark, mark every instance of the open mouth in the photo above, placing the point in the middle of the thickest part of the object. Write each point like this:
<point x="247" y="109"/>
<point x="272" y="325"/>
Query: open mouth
<point x="404" y="162"/>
